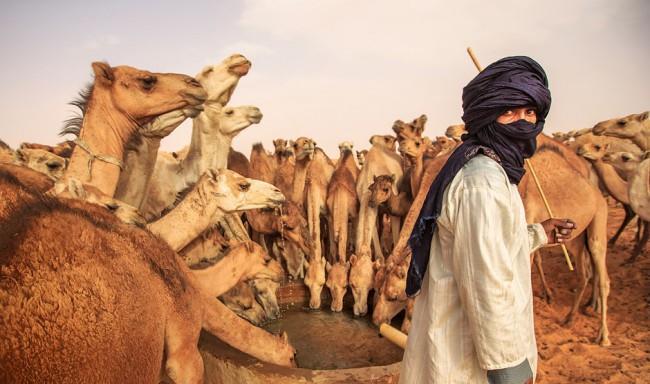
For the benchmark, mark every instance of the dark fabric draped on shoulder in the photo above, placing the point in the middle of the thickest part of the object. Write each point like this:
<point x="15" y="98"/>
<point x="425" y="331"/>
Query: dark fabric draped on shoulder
<point x="511" y="82"/>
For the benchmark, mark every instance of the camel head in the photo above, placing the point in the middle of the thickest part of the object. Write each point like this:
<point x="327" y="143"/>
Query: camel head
<point x="280" y="146"/>
<point x="454" y="132"/>
<point x="294" y="227"/>
<point x="314" y="280"/>
<point x="593" y="151"/>
<point x="441" y="145"/>
<point x="345" y="146"/>
<point x="163" y="125"/>
<point x="391" y="298"/>
<point x="361" y="157"/>
<point x="362" y="274"/>
<point x="142" y="95"/>
<point x="42" y="161"/>
<point x="264" y="290"/>
<point x="412" y="148"/>
<point x="304" y="148"/>
<point x="382" y="188"/>
<point x="409" y="130"/>
<point x="627" y="162"/>
<point x="230" y="121"/>
<point x="233" y="192"/>
<point x="625" y="127"/>
<point x="337" y="282"/>
<point x="220" y="80"/>
<point x="384" y="141"/>
<point x="63" y="149"/>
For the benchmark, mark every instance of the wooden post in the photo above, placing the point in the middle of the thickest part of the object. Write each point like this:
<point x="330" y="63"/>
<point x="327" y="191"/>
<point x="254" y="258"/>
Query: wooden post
<point x="393" y="335"/>
<point x="532" y="171"/>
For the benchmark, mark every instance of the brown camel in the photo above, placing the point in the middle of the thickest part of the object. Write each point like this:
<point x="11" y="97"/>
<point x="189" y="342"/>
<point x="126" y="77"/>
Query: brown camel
<point x="382" y="196"/>
<point x="262" y="164"/>
<point x="63" y="149"/>
<point x="121" y="307"/>
<point x="635" y="127"/>
<point x="286" y="163"/>
<point x="120" y="101"/>
<point x="409" y="130"/>
<point x="361" y="157"/>
<point x="455" y="132"/>
<point x="342" y="203"/>
<point x="241" y="300"/>
<point x="556" y="166"/>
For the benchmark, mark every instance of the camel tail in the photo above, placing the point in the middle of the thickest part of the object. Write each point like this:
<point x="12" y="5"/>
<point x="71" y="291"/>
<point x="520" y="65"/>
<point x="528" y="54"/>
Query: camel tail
<point x="340" y="221"/>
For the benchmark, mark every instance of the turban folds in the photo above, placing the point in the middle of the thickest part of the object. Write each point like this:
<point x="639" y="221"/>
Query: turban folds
<point x="511" y="82"/>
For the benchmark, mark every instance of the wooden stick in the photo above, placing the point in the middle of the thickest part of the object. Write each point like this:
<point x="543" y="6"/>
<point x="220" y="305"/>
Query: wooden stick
<point x="393" y="335"/>
<point x="470" y="51"/>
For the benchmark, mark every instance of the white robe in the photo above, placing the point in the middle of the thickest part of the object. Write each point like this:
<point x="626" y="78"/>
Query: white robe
<point x="475" y="310"/>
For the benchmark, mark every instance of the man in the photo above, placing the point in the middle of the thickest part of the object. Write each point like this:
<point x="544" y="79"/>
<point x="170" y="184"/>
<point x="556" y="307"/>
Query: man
<point x="473" y="316"/>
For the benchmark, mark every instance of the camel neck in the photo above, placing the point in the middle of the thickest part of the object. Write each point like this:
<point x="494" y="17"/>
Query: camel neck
<point x="191" y="217"/>
<point x="103" y="135"/>
<point x="616" y="186"/>
<point x="299" y="177"/>
<point x="138" y="170"/>
<point x="208" y="149"/>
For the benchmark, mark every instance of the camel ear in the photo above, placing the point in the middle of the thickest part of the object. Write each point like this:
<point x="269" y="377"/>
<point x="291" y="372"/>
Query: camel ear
<point x="392" y="177"/>
<point x="394" y="185"/>
<point x="328" y="267"/>
<point x="103" y="73"/>
<point x="643" y="116"/>
<point x="284" y="337"/>
<point x="397" y="126"/>
<point x="19" y="155"/>
<point x="353" y="259"/>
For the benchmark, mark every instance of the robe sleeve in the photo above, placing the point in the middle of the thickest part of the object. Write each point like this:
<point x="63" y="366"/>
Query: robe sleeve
<point x="536" y="236"/>
<point x="483" y="267"/>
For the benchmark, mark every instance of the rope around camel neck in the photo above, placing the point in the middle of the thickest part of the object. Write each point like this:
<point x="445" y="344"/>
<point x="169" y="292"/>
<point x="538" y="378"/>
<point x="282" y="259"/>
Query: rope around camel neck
<point x="107" y="159"/>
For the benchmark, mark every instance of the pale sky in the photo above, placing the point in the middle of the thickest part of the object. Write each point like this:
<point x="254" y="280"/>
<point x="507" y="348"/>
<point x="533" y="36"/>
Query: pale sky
<point x="332" y="70"/>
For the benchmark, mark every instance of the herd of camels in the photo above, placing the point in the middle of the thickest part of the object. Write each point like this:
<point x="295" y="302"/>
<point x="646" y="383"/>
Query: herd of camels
<point x="115" y="255"/>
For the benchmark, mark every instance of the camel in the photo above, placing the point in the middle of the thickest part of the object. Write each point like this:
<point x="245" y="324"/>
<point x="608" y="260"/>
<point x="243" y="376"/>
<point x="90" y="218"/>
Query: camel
<point x="213" y="196"/>
<point x="123" y="305"/>
<point x="610" y="179"/>
<point x="342" y="202"/>
<point x="42" y="161"/>
<point x="455" y="132"/>
<point x="361" y="157"/>
<point x="241" y="300"/>
<point x="414" y="149"/>
<point x="409" y="130"/>
<point x="337" y="282"/>
<point x="384" y="141"/>
<point x="262" y="164"/>
<point x="639" y="193"/>
<point x="556" y="166"/>
<point x="6" y="153"/>
<point x="345" y="146"/>
<point x="121" y="100"/>
<point x="382" y="196"/>
<point x="361" y="279"/>
<point x="635" y="127"/>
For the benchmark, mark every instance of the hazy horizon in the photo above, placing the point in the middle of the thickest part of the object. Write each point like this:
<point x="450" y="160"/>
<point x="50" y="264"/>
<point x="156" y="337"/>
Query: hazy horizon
<point x="333" y="71"/>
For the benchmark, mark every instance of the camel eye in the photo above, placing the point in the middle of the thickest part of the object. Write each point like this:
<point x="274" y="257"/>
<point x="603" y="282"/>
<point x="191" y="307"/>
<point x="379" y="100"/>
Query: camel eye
<point x="229" y="112"/>
<point x="597" y="147"/>
<point x="385" y="190"/>
<point x="621" y="122"/>
<point x="244" y="187"/>
<point x="53" y="166"/>
<point x="625" y="158"/>
<point x="148" y="82"/>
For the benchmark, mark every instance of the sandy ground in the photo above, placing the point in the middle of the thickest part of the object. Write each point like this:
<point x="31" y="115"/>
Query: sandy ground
<point x="569" y="354"/>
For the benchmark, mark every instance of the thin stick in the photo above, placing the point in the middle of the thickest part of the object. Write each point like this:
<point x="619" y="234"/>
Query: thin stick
<point x="470" y="51"/>
<point x="393" y="335"/>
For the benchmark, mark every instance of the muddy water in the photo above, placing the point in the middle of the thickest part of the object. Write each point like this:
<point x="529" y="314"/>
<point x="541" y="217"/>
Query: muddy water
<point x="327" y="340"/>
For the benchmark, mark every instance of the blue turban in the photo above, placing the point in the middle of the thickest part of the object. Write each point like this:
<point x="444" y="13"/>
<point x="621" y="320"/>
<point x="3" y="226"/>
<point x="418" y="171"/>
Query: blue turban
<point x="511" y="82"/>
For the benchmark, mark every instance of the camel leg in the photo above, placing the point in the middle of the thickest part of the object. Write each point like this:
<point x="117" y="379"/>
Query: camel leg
<point x="577" y="248"/>
<point x="640" y="244"/>
<point x="597" y="243"/>
<point x="376" y="244"/>
<point x="240" y="334"/>
<point x="548" y="294"/>
<point x="183" y="363"/>
<point x="629" y="215"/>
<point x="332" y="248"/>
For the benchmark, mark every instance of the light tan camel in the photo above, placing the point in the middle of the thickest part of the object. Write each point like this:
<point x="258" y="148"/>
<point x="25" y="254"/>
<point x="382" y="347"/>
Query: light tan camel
<point x="337" y="283"/>
<point x="342" y="203"/>
<point x="455" y="132"/>
<point x="41" y="161"/>
<point x="556" y="166"/>
<point x="409" y="130"/>
<point x="639" y="193"/>
<point x="213" y="196"/>
<point x="361" y="279"/>
<point x="361" y="157"/>
<point x="626" y="163"/>
<point x="120" y="101"/>
<point x="241" y="300"/>
<point x="611" y="181"/>
<point x="123" y="304"/>
<point x="63" y="149"/>
<point x="635" y="127"/>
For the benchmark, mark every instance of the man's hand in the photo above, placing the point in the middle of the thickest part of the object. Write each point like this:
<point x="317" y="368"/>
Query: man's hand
<point x="558" y="230"/>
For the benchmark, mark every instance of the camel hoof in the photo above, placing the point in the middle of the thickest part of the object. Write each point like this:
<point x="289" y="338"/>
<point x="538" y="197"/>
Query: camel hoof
<point x="568" y="321"/>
